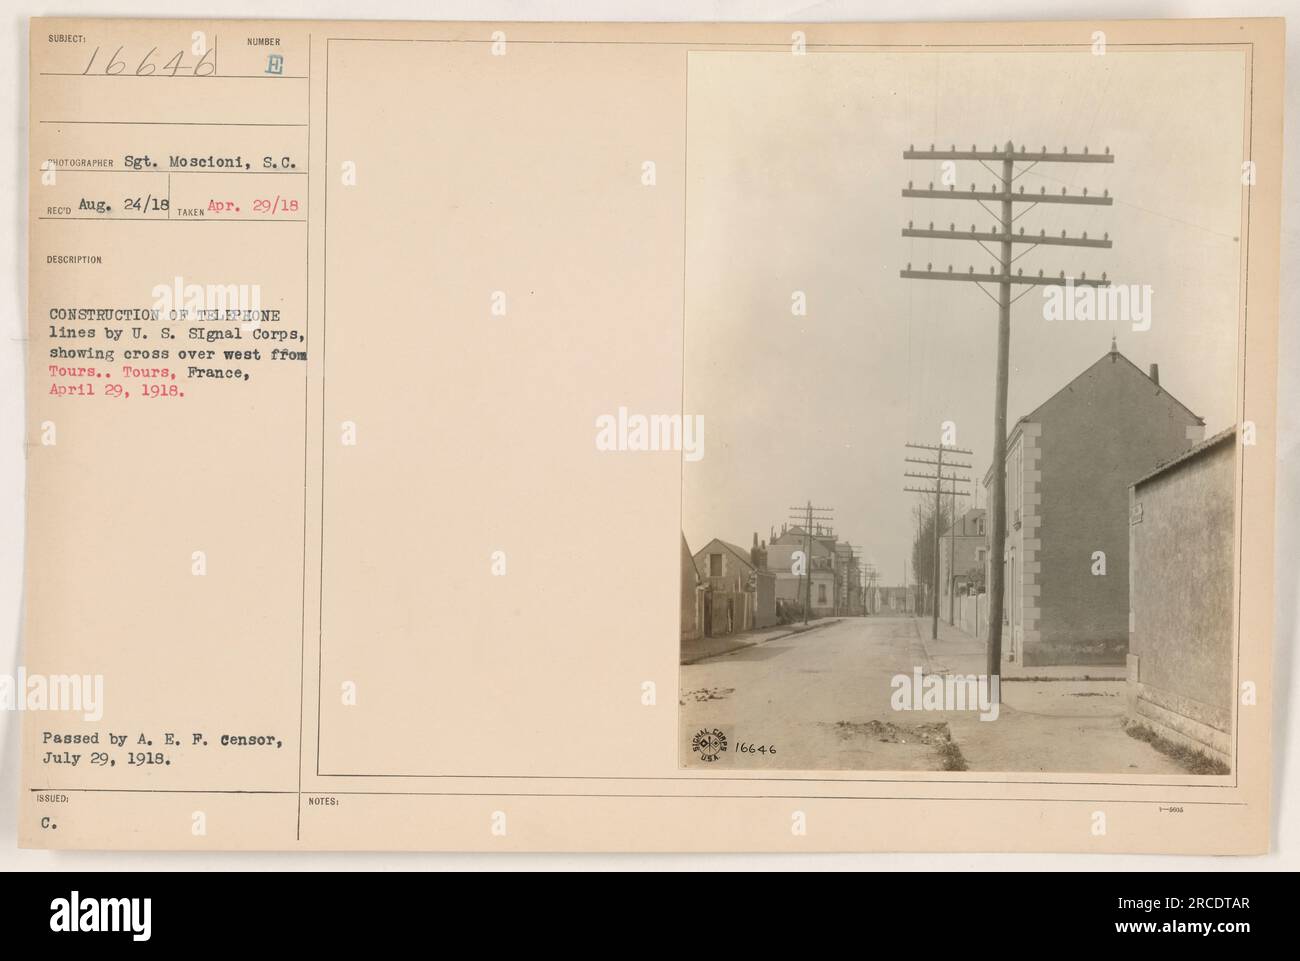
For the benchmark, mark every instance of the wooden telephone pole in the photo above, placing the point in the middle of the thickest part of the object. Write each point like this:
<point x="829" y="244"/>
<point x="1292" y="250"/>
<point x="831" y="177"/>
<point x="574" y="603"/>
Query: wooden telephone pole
<point x="939" y="478"/>
<point x="1001" y="278"/>
<point x="952" y="559"/>
<point x="808" y="514"/>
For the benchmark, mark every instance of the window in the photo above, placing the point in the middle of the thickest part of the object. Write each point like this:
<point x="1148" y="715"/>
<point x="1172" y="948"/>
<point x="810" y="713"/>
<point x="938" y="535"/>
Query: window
<point x="715" y="565"/>
<point x="821" y="593"/>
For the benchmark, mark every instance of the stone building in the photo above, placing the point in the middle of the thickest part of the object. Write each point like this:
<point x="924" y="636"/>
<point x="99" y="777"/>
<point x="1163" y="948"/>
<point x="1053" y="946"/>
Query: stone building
<point x="692" y="597"/>
<point x="821" y="570"/>
<point x="962" y="550"/>
<point x="741" y="596"/>
<point x="1182" y="524"/>
<point x="1069" y="465"/>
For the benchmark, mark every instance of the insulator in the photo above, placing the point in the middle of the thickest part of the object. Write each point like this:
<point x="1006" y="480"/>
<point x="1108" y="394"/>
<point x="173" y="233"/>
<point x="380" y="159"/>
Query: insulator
<point x="1085" y="191"/>
<point x="1062" y="191"/>
<point x="972" y="270"/>
<point x="1022" y="231"/>
<point x="1106" y="192"/>
<point x="1085" y="150"/>
<point x="1020" y="272"/>
<point x="909" y="225"/>
<point x="1105" y="236"/>
<point x="909" y="185"/>
<point x="932" y="225"/>
<point x="950" y="268"/>
<point x="1062" y="234"/>
<point x="1107" y="150"/>
<point x="931" y="187"/>
<point x="929" y="266"/>
<point x="1103" y="275"/>
<point x="1085" y="235"/>
<point x="952" y="227"/>
<point x="1040" y="273"/>
<point x="1042" y="190"/>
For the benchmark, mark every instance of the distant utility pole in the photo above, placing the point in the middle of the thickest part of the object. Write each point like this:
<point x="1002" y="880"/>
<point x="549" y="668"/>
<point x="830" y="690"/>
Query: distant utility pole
<point x="807" y="515"/>
<point x="922" y="586"/>
<point x="939" y="479"/>
<point x="868" y="587"/>
<point x="855" y="564"/>
<point x="952" y="559"/>
<point x="1001" y="277"/>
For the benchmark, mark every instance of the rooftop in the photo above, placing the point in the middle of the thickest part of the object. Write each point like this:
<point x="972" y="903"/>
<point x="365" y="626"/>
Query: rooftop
<point x="1189" y="454"/>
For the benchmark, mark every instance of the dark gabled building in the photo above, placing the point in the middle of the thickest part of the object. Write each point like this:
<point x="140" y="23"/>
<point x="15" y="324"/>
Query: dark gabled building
<point x="1069" y="465"/>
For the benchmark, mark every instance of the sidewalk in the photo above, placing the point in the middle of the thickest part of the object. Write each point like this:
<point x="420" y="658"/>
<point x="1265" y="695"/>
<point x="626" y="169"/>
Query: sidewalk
<point x="702" y="648"/>
<point x="956" y="652"/>
<point x="1060" y="718"/>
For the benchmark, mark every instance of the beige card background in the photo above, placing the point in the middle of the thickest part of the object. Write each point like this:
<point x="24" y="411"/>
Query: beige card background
<point x="370" y="564"/>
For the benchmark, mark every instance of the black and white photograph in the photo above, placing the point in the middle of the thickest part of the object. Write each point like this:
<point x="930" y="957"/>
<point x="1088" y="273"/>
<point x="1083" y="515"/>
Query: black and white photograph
<point x="962" y="330"/>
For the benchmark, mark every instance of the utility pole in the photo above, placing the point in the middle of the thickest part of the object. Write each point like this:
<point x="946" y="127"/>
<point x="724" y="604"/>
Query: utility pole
<point x="952" y="560"/>
<point x="806" y="516"/>
<point x="922" y="605"/>
<point x="868" y="587"/>
<point x="854" y="567"/>
<point x="938" y="478"/>
<point x="1000" y="276"/>
<point x="861" y="581"/>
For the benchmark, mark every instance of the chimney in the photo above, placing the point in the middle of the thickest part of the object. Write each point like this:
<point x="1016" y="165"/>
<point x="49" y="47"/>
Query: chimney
<point x="1155" y="374"/>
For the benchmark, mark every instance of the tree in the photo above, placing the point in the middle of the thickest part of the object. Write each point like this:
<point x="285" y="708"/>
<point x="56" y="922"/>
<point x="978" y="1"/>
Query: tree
<point x="923" y="543"/>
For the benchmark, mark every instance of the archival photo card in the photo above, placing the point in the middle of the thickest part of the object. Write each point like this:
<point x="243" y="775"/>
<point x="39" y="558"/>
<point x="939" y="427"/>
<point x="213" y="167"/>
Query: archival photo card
<point x="650" y="437"/>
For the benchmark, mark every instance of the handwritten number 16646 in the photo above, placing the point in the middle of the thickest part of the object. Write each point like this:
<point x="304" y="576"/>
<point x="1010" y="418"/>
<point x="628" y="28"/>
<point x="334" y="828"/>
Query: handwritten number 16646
<point x="205" y="66"/>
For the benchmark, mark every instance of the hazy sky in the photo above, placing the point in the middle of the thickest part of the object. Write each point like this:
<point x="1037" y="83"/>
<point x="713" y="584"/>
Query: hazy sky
<point x="794" y="176"/>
